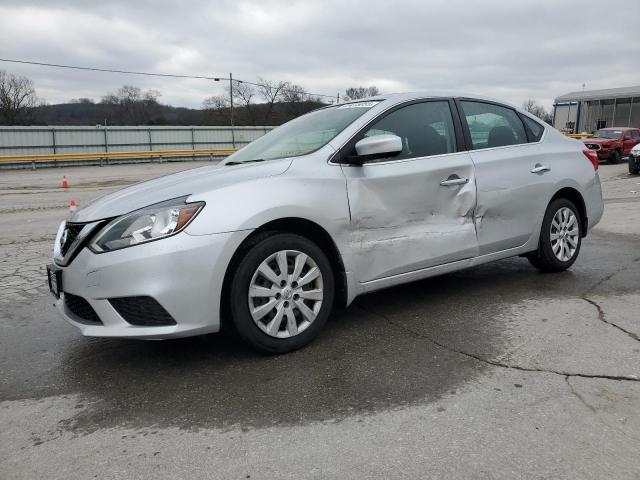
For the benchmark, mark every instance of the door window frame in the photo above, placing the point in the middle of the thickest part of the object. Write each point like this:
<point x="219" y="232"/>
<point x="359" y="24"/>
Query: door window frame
<point x="349" y="147"/>
<point x="467" y="132"/>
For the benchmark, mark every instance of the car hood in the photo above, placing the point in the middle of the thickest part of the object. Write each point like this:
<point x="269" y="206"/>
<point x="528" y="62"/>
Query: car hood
<point x="598" y="140"/>
<point x="190" y="182"/>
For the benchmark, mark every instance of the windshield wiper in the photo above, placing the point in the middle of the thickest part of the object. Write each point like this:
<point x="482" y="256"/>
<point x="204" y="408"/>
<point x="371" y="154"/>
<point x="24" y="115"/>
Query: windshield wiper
<point x="246" y="161"/>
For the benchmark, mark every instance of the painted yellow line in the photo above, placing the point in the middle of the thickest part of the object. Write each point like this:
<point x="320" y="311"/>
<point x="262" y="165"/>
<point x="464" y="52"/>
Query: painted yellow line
<point x="82" y="156"/>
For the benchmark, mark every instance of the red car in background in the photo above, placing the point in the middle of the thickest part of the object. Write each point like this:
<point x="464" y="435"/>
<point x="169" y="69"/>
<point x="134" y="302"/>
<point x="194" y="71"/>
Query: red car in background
<point x="613" y="143"/>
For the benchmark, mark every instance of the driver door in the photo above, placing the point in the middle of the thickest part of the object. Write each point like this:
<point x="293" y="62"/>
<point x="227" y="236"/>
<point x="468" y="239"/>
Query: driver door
<point x="414" y="210"/>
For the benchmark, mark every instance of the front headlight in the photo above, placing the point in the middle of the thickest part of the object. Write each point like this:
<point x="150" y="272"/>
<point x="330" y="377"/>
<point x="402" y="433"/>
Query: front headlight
<point x="145" y="225"/>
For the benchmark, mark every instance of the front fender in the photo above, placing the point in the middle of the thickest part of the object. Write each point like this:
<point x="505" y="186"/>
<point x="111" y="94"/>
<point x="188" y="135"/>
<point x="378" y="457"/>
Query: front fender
<point x="310" y="189"/>
<point x="252" y="204"/>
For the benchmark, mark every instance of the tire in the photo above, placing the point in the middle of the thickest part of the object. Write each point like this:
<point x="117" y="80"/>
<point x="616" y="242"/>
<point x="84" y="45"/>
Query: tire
<point x="558" y="254"/>
<point x="633" y="170"/>
<point x="274" y="319"/>
<point x="615" y="157"/>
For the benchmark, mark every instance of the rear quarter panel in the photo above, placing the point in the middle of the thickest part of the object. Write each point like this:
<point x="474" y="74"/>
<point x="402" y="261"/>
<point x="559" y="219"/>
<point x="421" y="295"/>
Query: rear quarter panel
<point x="572" y="169"/>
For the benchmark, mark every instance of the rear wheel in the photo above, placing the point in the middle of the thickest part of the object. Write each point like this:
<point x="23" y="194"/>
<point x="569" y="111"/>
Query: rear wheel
<point x="560" y="237"/>
<point x="615" y="157"/>
<point x="282" y="293"/>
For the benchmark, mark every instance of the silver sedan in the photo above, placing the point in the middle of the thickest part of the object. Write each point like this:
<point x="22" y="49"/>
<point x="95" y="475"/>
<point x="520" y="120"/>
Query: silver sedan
<point x="342" y="201"/>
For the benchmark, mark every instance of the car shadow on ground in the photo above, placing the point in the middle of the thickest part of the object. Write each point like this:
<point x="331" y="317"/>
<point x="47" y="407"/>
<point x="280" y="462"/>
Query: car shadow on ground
<point x="377" y="354"/>
<point x="367" y="359"/>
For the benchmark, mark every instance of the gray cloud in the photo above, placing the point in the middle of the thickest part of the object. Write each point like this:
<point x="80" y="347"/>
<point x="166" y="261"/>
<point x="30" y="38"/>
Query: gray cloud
<point x="511" y="50"/>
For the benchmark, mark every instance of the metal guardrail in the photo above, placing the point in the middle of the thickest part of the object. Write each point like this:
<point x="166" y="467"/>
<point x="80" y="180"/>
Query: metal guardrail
<point x="106" y="156"/>
<point x="577" y="135"/>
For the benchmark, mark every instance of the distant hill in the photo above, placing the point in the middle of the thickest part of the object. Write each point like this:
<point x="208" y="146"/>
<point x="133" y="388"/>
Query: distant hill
<point x="88" y="113"/>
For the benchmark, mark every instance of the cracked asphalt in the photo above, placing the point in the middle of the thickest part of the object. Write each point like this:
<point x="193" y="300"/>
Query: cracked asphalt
<point x="496" y="372"/>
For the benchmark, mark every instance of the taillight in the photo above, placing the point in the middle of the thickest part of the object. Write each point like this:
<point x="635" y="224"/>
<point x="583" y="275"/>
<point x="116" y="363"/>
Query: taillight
<point x="593" y="158"/>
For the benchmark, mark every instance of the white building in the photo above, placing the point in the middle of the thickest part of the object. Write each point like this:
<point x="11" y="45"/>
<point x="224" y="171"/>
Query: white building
<point x="594" y="109"/>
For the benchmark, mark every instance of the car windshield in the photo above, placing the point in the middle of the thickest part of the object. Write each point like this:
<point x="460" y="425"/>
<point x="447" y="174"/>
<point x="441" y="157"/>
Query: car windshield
<point x="302" y="135"/>
<point x="612" y="134"/>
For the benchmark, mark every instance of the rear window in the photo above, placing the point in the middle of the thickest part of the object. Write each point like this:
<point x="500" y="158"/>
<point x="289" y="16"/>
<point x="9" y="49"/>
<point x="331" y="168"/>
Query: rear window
<point x="493" y="125"/>
<point x="535" y="129"/>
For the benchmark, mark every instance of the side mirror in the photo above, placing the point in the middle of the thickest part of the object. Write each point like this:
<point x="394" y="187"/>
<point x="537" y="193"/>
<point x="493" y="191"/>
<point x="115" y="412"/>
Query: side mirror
<point x="378" y="146"/>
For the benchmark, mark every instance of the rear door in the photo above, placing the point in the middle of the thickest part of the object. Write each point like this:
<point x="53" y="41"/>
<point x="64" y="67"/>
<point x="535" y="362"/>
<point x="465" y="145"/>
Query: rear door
<point x="513" y="177"/>
<point x="413" y="210"/>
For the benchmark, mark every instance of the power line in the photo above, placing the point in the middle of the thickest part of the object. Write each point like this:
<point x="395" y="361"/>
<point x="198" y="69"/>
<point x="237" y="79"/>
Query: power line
<point x="93" y="69"/>
<point x="148" y="74"/>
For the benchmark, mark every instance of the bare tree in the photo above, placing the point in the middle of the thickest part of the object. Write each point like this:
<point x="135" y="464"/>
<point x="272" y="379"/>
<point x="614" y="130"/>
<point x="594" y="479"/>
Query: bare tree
<point x="538" y="110"/>
<point x="271" y="92"/>
<point x="356" y="93"/>
<point x="18" y="99"/>
<point x="294" y="94"/>
<point x="243" y="94"/>
<point x="217" y="107"/>
<point x="216" y="102"/>
<point x="294" y="97"/>
<point x="135" y="106"/>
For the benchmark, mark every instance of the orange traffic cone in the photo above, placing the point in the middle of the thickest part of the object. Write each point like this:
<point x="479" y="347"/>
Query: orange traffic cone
<point x="73" y="206"/>
<point x="65" y="184"/>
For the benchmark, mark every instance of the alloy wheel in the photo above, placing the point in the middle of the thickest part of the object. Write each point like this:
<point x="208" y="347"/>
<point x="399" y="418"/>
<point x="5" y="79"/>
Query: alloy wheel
<point x="564" y="234"/>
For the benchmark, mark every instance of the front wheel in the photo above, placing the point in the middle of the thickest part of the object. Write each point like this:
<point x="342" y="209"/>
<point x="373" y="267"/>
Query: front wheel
<point x="615" y="157"/>
<point x="560" y="237"/>
<point x="633" y="169"/>
<point x="282" y="293"/>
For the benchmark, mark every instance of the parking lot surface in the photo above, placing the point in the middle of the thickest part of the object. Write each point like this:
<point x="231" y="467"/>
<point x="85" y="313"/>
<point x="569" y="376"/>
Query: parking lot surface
<point x="496" y="372"/>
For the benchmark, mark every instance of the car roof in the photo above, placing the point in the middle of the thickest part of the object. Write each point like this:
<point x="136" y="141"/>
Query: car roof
<point x="401" y="97"/>
<point x="619" y="128"/>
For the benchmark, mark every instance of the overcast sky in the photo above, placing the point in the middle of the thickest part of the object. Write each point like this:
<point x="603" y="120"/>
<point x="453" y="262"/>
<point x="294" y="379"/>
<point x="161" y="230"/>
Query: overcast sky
<point x="512" y="50"/>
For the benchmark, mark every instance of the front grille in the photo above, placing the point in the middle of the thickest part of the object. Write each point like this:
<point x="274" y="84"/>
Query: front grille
<point x="81" y="309"/>
<point x="72" y="230"/>
<point x="593" y="146"/>
<point x="142" y="311"/>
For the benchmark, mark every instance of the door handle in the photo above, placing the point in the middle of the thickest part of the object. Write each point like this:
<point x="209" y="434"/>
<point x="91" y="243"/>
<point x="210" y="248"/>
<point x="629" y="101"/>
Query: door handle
<point x="454" y="180"/>
<point x="540" y="168"/>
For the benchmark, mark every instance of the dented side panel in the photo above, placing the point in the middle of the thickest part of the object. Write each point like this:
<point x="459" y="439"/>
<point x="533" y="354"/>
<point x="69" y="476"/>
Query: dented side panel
<point x="511" y="199"/>
<point x="404" y="220"/>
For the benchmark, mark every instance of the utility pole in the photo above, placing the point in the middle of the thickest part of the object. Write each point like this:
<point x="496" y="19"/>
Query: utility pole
<point x="338" y="97"/>
<point x="231" y="97"/>
<point x="217" y="79"/>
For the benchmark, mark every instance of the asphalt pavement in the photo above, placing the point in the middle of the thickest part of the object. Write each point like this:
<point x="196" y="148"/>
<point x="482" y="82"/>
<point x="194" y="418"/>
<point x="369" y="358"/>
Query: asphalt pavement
<point x="495" y="372"/>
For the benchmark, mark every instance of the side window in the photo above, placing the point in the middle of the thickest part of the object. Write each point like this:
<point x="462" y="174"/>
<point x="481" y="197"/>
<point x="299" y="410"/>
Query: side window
<point x="425" y="129"/>
<point x="492" y="125"/>
<point x="534" y="128"/>
<point x="635" y="133"/>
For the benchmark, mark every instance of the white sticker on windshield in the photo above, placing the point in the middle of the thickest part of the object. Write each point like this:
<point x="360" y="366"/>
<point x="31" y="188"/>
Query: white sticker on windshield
<point x="358" y="105"/>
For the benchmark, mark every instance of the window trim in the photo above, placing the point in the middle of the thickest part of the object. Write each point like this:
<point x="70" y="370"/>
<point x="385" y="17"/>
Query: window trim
<point x="530" y="136"/>
<point x="338" y="157"/>
<point x="467" y="132"/>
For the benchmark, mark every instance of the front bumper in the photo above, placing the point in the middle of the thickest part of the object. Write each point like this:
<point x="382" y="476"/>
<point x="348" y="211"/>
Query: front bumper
<point x="183" y="273"/>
